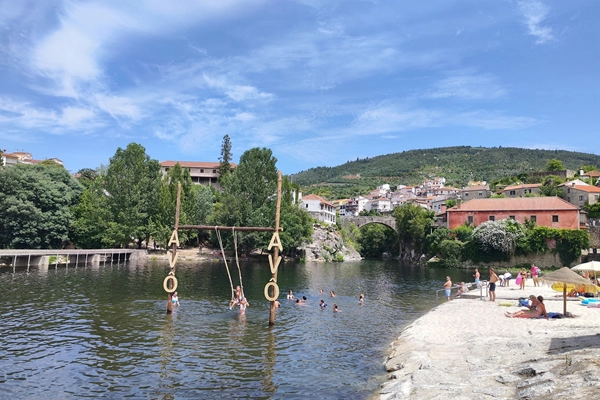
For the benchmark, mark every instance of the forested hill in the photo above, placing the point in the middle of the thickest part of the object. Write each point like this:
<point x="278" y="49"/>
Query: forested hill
<point x="458" y="165"/>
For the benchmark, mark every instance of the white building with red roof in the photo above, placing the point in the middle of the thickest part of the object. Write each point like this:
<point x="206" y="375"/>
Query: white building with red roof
<point x="319" y="208"/>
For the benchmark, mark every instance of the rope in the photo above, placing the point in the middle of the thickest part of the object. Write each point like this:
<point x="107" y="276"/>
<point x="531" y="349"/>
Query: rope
<point x="238" y="261"/>
<point x="225" y="260"/>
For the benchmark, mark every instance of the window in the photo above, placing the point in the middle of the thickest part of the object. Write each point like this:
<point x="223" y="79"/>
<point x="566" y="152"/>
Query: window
<point x="470" y="219"/>
<point x="580" y="198"/>
<point x="492" y="218"/>
<point x="214" y="171"/>
<point x="512" y="193"/>
<point x="202" y="170"/>
<point x="466" y="194"/>
<point x="595" y="197"/>
<point x="533" y="218"/>
<point x="307" y="206"/>
<point x="568" y="190"/>
<point x="555" y="218"/>
<point x="511" y="217"/>
<point x="480" y="194"/>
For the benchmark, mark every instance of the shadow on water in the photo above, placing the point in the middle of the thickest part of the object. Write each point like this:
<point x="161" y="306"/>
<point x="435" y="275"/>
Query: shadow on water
<point x="102" y="332"/>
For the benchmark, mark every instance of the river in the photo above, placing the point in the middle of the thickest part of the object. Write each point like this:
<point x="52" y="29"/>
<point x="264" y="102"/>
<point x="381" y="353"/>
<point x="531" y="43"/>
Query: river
<point x="102" y="332"/>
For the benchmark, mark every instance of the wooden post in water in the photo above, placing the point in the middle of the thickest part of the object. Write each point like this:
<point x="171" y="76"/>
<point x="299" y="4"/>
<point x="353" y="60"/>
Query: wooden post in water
<point x="174" y="242"/>
<point x="274" y="262"/>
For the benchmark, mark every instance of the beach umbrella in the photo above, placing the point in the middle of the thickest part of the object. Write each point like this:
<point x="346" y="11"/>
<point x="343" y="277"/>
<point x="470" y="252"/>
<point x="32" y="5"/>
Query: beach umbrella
<point x="566" y="277"/>
<point x="591" y="266"/>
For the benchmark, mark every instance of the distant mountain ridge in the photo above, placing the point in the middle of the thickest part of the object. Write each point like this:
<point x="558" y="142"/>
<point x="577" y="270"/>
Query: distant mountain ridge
<point x="458" y="165"/>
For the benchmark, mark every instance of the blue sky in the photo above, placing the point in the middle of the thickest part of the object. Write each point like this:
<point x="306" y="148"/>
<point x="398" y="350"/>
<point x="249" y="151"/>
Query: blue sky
<point x="318" y="82"/>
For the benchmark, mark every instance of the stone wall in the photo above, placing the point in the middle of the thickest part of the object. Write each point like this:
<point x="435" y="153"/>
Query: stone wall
<point x="594" y="232"/>
<point x="546" y="260"/>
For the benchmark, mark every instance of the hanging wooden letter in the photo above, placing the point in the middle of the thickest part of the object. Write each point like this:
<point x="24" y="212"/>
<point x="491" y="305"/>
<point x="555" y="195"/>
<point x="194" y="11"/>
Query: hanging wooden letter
<point x="172" y="261"/>
<point x="274" y="267"/>
<point x="275" y="241"/>
<point x="174" y="239"/>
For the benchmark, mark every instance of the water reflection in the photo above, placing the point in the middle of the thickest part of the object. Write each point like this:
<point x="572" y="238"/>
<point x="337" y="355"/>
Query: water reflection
<point x="102" y="332"/>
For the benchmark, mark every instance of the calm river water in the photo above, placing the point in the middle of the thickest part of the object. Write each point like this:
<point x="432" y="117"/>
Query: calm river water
<point x="102" y="332"/>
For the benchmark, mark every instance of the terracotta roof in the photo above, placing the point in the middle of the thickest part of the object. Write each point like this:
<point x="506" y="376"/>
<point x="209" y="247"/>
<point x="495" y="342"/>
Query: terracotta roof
<point x="193" y="164"/>
<point x="516" y="204"/>
<point x="524" y="186"/>
<point x="594" y="174"/>
<point x="590" y="189"/>
<point x="313" y="196"/>
<point x="480" y="187"/>
<point x="9" y="155"/>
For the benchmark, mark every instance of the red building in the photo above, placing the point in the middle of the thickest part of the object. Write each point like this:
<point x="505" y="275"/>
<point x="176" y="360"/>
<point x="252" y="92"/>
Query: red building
<point x="552" y="212"/>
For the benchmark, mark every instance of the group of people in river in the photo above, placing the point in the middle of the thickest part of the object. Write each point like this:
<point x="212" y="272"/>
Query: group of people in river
<point x="304" y="301"/>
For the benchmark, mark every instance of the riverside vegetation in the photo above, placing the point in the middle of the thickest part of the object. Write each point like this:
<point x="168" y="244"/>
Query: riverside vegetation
<point x="129" y="201"/>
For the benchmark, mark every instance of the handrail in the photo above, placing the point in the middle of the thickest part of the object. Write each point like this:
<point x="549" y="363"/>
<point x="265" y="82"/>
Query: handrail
<point x="482" y="285"/>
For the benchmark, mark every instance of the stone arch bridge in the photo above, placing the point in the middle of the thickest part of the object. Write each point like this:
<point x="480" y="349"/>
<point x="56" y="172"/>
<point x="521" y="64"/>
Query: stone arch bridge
<point x="388" y="221"/>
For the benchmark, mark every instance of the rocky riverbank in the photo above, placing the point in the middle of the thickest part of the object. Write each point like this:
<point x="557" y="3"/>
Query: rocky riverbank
<point x="468" y="349"/>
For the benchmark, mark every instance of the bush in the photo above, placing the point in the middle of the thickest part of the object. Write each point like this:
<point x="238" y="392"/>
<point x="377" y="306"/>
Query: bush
<point x="451" y="252"/>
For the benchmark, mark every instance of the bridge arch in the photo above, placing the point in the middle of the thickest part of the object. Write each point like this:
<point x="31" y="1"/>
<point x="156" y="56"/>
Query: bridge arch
<point x="361" y="221"/>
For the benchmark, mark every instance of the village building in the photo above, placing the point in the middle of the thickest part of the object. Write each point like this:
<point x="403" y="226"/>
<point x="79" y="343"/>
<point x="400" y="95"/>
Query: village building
<point x="581" y="195"/>
<point x="380" y="205"/>
<point x="319" y="208"/>
<point x="202" y="173"/>
<point x="475" y="192"/>
<point x="355" y="205"/>
<point x="22" y="157"/>
<point x="522" y="190"/>
<point x="552" y="212"/>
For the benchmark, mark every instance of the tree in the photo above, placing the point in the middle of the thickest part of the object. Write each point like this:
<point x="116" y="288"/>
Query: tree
<point x="93" y="226"/>
<point x="376" y="239"/>
<point x="500" y="236"/>
<point x="225" y="159"/>
<point x="555" y="165"/>
<point x="132" y="183"/>
<point x="248" y="196"/>
<point x="550" y="186"/>
<point x="35" y="204"/>
<point x="413" y="224"/>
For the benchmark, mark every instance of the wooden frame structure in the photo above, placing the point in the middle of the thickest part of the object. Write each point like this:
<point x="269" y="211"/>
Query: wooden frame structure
<point x="271" y="289"/>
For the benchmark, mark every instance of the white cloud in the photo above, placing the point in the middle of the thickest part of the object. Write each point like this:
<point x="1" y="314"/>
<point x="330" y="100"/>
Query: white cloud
<point x="468" y="87"/>
<point x="74" y="116"/>
<point x="535" y="13"/>
<point x="118" y="106"/>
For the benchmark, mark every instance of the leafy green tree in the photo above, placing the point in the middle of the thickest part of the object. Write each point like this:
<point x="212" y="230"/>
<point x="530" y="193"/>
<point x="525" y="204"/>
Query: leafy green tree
<point x="375" y="240"/>
<point x="451" y="203"/>
<point x="93" y="226"/>
<point x="413" y="224"/>
<point x="132" y="183"/>
<point x="35" y="203"/>
<point x="464" y="233"/>
<point x="550" y="186"/>
<point x="555" y="165"/>
<point x="248" y="196"/>
<point x="225" y="159"/>
<point x="433" y="240"/>
<point x="593" y="210"/>
<point x="451" y="253"/>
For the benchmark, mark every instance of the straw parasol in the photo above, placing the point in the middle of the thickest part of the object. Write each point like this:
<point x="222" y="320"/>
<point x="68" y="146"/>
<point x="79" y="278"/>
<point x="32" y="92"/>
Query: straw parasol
<point x="566" y="277"/>
<point x="591" y="266"/>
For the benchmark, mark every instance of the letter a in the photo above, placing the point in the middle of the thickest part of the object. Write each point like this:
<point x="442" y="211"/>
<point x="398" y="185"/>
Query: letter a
<point x="275" y="242"/>
<point x="174" y="239"/>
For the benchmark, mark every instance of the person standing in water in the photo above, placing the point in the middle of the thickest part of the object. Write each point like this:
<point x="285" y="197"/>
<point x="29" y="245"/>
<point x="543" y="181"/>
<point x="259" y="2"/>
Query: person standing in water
<point x="448" y="288"/>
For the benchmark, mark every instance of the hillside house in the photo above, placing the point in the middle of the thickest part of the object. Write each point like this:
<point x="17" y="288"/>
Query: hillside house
<point x="340" y="206"/>
<point x="22" y="157"/>
<point x="202" y="173"/>
<point x="355" y="205"/>
<point x="380" y="204"/>
<point x="319" y="208"/>
<point x="475" y="192"/>
<point x="581" y="195"/>
<point x="522" y="190"/>
<point x="552" y="212"/>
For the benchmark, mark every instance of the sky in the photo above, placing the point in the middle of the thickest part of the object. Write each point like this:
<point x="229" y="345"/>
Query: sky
<point x="318" y="82"/>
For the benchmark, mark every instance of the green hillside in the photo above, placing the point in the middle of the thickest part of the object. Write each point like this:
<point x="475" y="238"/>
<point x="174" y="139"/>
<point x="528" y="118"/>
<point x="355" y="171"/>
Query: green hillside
<point x="458" y="165"/>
